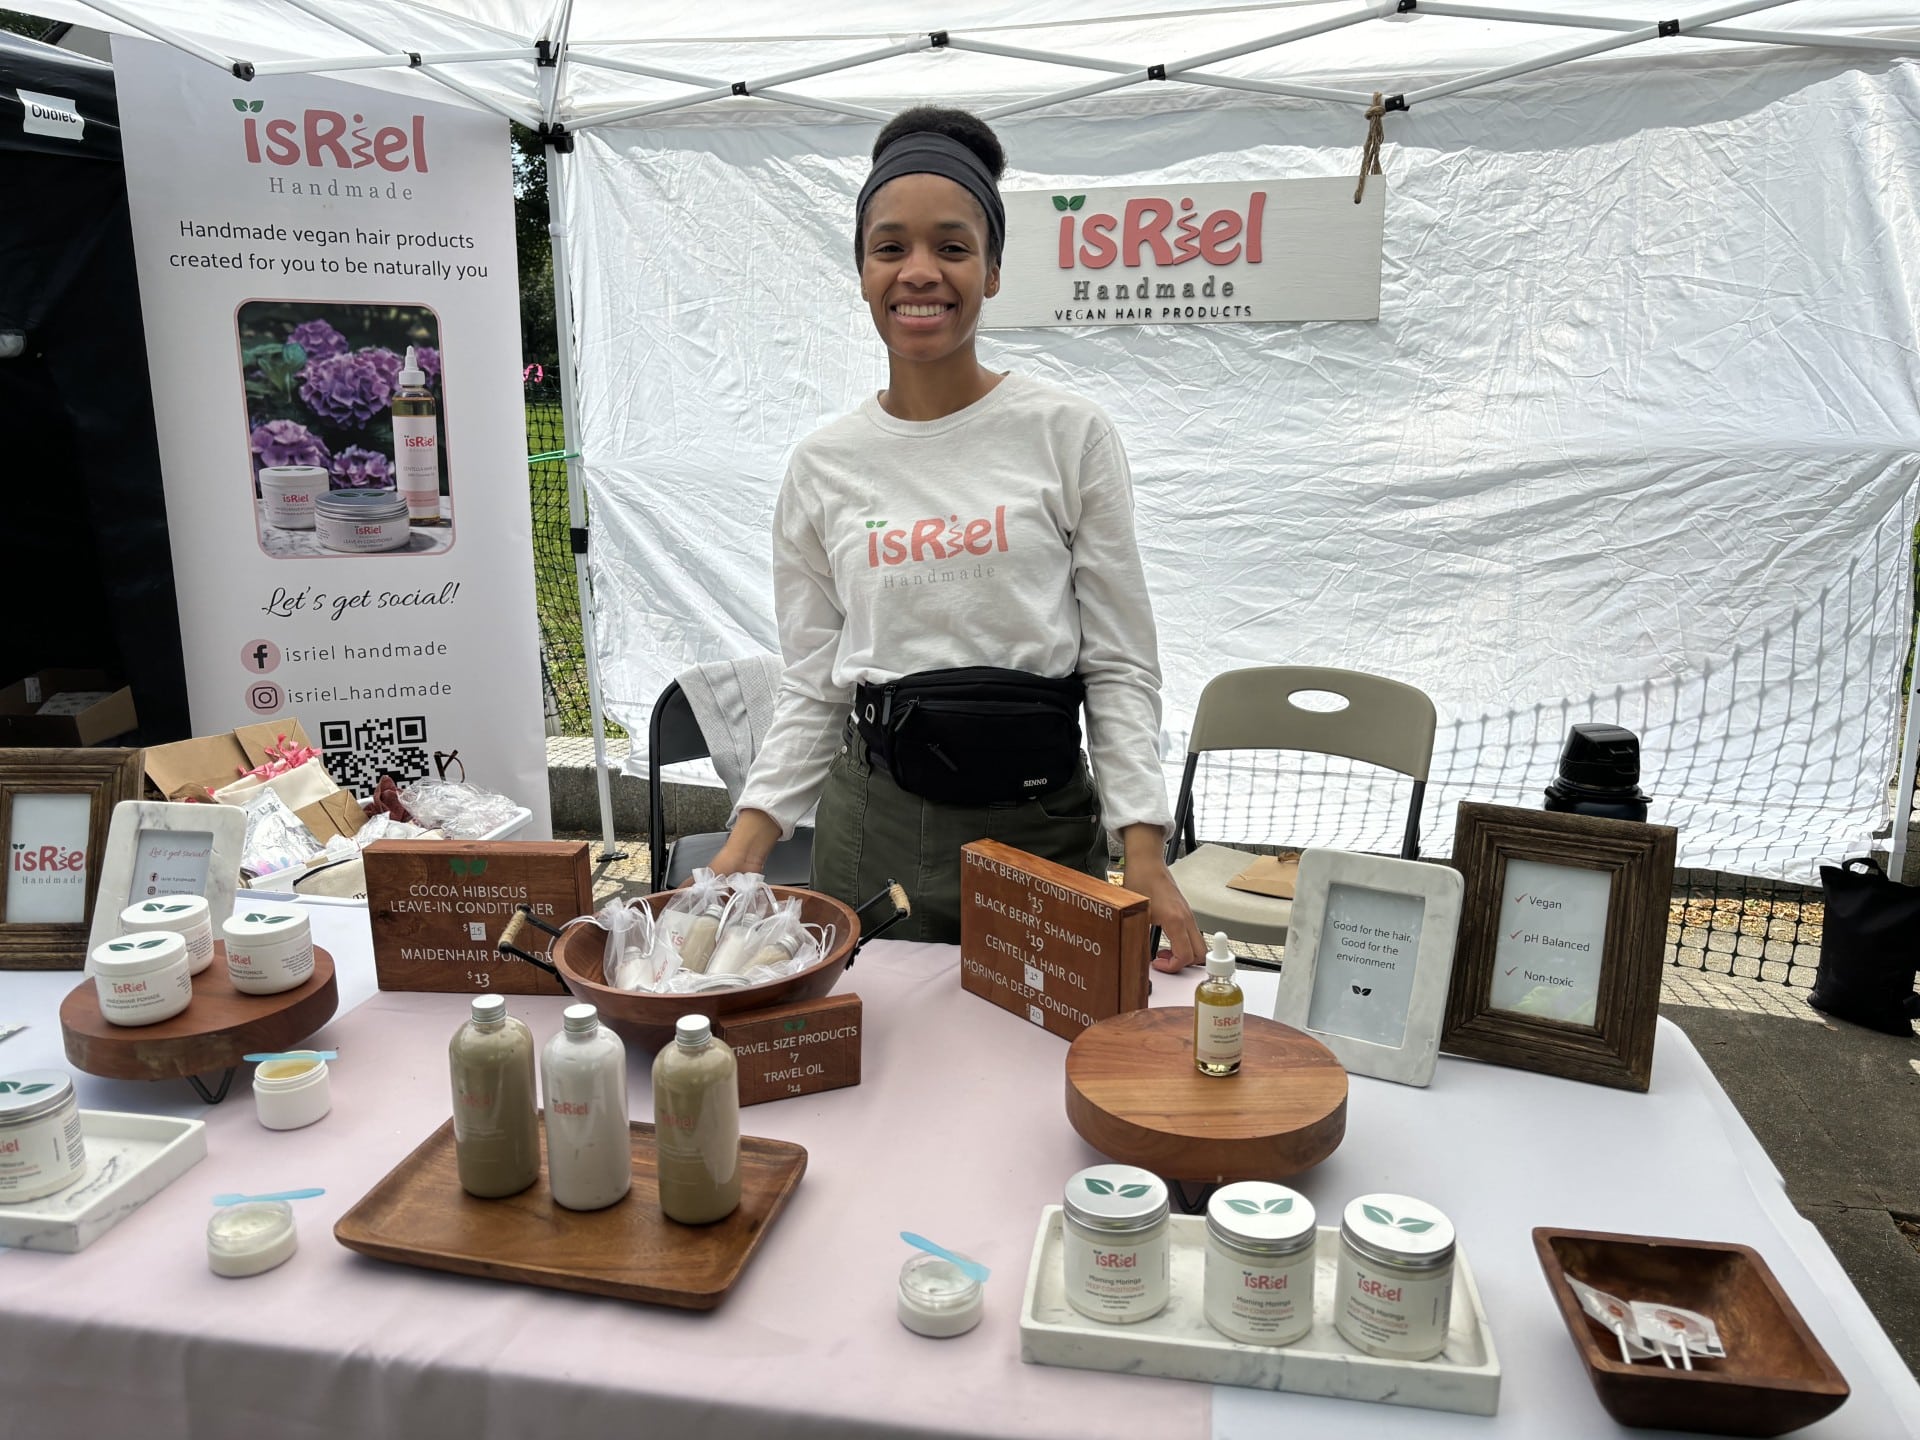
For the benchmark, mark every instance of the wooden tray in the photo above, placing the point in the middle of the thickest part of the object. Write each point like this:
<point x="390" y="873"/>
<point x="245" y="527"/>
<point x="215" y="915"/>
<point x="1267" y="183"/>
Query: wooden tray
<point x="1775" y="1377"/>
<point x="419" y="1215"/>
<point x="218" y="1026"/>
<point x="1134" y="1095"/>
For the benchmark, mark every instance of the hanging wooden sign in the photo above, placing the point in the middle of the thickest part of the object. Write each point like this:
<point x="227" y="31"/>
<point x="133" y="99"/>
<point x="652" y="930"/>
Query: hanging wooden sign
<point x="1057" y="948"/>
<point x="438" y="907"/>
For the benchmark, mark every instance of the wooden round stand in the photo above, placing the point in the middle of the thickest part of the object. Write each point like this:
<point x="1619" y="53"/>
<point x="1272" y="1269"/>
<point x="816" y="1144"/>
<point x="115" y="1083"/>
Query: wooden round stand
<point x="1134" y="1095"/>
<point x="216" y="1029"/>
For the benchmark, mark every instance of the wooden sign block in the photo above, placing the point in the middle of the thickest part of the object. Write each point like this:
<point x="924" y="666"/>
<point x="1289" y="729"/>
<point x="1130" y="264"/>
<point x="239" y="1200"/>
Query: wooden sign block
<point x="439" y="906"/>
<point x="1057" y="948"/>
<point x="796" y="1049"/>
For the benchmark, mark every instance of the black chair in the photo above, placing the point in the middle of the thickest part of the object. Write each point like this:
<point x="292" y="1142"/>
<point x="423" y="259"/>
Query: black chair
<point x="674" y="735"/>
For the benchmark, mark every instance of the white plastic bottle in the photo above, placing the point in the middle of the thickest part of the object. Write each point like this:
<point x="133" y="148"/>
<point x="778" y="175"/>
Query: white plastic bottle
<point x="1218" y="1013"/>
<point x="416" y="444"/>
<point x="583" y="1075"/>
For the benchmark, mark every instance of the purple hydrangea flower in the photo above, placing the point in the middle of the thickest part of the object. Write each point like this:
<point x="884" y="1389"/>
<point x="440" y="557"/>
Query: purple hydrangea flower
<point x="385" y="361"/>
<point x="319" y="339"/>
<point x="429" y="359"/>
<point x="358" y="468"/>
<point x="348" y="389"/>
<point x="288" y="442"/>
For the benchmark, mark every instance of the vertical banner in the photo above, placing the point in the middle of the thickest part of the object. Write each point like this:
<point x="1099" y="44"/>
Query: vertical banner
<point x="332" y="312"/>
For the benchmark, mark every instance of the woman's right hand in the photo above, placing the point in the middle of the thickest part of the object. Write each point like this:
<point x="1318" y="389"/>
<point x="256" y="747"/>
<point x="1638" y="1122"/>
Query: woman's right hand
<point x="749" y="844"/>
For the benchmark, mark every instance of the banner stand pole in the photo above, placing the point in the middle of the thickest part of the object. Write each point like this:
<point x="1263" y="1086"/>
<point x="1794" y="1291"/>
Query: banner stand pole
<point x="576" y="489"/>
<point x="1909" y="756"/>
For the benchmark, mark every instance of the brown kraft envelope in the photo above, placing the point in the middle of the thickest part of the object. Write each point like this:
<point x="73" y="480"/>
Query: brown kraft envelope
<point x="1269" y="875"/>
<point x="194" y="769"/>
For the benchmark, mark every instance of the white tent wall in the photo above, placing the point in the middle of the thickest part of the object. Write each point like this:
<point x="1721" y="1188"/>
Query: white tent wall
<point x="1635" y="438"/>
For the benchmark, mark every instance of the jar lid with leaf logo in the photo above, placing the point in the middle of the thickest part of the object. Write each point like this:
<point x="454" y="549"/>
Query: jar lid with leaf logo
<point x="1116" y="1199"/>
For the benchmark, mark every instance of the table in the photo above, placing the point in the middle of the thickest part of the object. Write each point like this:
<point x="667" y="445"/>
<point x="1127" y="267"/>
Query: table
<point x="959" y="1132"/>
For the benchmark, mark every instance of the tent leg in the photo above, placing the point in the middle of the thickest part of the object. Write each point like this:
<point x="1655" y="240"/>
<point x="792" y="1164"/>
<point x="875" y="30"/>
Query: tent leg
<point x="576" y="490"/>
<point x="1903" y="794"/>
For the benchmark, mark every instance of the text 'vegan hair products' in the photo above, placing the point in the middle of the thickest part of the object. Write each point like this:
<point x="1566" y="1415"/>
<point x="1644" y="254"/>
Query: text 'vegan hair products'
<point x="361" y="522"/>
<point x="292" y="1091"/>
<point x="1259" y="1281"/>
<point x="1114" y="1244"/>
<point x="696" y="1120"/>
<point x="186" y="915"/>
<point x="41" y="1147"/>
<point x="269" y="949"/>
<point x="289" y="492"/>
<point x="1395" y="1289"/>
<point x="583" y="1079"/>
<point x="1218" y="1014"/>
<point x="496" y="1134"/>
<point x="141" y="979"/>
<point x="416" y="444"/>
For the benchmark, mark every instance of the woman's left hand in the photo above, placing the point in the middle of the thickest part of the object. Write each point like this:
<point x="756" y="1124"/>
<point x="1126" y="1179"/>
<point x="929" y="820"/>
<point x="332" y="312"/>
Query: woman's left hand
<point x="1147" y="874"/>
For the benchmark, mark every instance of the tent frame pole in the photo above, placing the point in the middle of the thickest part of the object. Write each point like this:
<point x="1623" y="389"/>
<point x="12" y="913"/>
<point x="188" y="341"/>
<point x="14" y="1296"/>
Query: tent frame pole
<point x="1909" y="760"/>
<point x="366" y="37"/>
<point x="129" y="17"/>
<point x="408" y="60"/>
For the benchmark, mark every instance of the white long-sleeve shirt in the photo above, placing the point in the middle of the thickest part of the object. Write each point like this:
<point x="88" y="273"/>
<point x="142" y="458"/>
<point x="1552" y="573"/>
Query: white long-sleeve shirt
<point x="1001" y="534"/>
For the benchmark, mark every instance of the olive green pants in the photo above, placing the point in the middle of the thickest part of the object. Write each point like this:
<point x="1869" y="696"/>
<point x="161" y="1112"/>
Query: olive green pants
<point x="869" y="831"/>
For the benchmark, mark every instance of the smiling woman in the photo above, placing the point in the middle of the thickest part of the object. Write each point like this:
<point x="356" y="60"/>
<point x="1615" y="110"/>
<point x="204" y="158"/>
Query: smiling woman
<point x="954" y="563"/>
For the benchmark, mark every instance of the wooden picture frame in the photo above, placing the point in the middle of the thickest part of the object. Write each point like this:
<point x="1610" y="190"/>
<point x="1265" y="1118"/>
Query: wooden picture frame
<point x="226" y="829"/>
<point x="104" y="778"/>
<point x="1562" y="940"/>
<point x="1383" y="930"/>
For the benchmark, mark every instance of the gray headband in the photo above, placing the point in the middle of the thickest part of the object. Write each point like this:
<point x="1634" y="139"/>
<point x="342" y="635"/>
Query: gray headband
<point x="923" y="152"/>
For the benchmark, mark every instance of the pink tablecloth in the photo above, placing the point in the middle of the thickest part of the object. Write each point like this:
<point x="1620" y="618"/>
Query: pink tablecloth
<point x="958" y="1132"/>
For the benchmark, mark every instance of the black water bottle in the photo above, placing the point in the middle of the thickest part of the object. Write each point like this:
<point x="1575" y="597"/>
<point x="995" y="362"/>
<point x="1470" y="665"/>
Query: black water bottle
<point x="1599" y="774"/>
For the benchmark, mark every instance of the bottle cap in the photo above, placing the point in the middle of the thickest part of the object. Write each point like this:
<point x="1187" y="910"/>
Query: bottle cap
<point x="580" y="1019"/>
<point x="489" y="1009"/>
<point x="693" y="1031"/>
<point x="1219" y="958"/>
<point x="410" y="372"/>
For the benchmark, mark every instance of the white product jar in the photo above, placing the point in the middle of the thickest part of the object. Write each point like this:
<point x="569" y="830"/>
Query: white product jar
<point x="41" y="1147"/>
<point x="292" y="1091"/>
<point x="289" y="492"/>
<point x="1114" y="1243"/>
<point x="185" y="915"/>
<point x="251" y="1238"/>
<point x="269" y="949"/>
<point x="1260" y="1244"/>
<point x="141" y="979"/>
<point x="937" y="1298"/>
<point x="361" y="522"/>
<point x="1395" y="1291"/>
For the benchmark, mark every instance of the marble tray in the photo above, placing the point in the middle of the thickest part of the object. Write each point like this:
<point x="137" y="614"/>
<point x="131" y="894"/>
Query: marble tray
<point x="130" y="1159"/>
<point x="1178" y="1343"/>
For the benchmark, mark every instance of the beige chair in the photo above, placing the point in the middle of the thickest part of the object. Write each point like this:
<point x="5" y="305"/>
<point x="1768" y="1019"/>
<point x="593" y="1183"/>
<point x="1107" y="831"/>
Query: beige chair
<point x="1384" y="723"/>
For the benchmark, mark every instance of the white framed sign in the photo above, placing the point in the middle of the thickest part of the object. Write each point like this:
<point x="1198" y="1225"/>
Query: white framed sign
<point x="1369" y="956"/>
<point x="1236" y="252"/>
<point x="160" y="848"/>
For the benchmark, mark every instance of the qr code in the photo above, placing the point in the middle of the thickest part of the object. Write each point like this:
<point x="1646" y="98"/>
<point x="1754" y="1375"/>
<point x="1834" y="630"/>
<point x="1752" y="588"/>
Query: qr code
<point x="359" y="752"/>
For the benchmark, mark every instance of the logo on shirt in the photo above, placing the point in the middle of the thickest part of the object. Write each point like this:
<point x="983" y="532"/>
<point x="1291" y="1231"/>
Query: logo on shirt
<point x="936" y="538"/>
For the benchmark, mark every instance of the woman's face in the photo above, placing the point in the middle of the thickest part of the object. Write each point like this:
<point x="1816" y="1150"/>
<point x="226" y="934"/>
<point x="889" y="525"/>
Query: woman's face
<point x="926" y="270"/>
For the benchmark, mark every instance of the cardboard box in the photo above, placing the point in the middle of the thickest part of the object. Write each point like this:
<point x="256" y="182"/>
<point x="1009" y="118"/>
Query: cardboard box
<point x="194" y="769"/>
<point x="100" y="721"/>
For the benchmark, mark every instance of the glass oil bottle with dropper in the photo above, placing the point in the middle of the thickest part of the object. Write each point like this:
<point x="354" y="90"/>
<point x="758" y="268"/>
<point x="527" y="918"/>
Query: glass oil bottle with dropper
<point x="416" y="444"/>
<point x="1218" y="1010"/>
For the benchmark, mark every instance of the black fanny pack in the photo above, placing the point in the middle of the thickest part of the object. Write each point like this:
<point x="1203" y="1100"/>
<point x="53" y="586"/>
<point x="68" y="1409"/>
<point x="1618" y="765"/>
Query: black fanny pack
<point x="974" y="736"/>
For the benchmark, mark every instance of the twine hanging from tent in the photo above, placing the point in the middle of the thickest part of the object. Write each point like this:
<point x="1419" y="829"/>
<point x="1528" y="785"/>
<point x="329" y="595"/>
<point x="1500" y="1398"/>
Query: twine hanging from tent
<point x="1370" y="152"/>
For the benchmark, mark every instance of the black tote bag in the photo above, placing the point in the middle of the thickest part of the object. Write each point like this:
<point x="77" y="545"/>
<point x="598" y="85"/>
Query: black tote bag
<point x="1869" y="948"/>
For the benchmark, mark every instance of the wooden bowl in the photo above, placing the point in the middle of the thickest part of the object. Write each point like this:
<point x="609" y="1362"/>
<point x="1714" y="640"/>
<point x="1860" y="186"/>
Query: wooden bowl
<point x="647" y="1020"/>
<point x="1775" y="1377"/>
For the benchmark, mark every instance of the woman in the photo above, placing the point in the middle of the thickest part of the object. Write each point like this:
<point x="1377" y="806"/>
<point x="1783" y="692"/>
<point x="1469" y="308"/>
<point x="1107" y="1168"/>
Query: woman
<point x="955" y="563"/>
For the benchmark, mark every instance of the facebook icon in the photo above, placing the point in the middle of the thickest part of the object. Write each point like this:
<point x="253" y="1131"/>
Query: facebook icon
<point x="257" y="657"/>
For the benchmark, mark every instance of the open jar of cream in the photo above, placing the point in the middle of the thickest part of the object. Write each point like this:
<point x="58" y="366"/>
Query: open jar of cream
<point x="937" y="1298"/>
<point x="289" y="492"/>
<point x="1114" y="1243"/>
<point x="269" y="949"/>
<point x="41" y="1147"/>
<point x="185" y="915"/>
<point x="141" y="979"/>
<point x="361" y="522"/>
<point x="1259" y="1285"/>
<point x="1394" y="1295"/>
<point x="251" y="1238"/>
<point x="292" y="1091"/>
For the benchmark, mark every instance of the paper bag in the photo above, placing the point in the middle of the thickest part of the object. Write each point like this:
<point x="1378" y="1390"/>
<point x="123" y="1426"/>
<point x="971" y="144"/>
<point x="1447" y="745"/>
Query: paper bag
<point x="194" y="769"/>
<point x="1269" y="875"/>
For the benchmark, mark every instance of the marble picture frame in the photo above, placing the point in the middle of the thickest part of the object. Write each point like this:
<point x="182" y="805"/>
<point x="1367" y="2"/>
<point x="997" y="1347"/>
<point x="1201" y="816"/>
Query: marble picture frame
<point x="1369" y="960"/>
<point x="224" y="825"/>
<point x="95" y="780"/>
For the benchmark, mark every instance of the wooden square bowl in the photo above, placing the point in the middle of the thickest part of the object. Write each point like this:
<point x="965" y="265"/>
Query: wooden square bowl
<point x="1775" y="1377"/>
<point x="647" y="1020"/>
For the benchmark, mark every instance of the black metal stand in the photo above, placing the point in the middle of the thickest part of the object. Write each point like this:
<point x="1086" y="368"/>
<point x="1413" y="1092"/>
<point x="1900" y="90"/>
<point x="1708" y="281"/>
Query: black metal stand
<point x="213" y="1097"/>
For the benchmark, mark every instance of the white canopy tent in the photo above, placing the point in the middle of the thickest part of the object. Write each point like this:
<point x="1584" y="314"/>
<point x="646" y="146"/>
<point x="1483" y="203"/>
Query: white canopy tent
<point x="1636" y="437"/>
